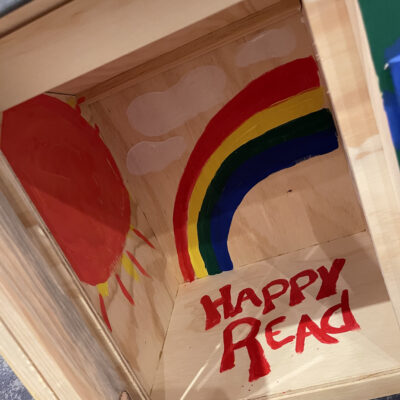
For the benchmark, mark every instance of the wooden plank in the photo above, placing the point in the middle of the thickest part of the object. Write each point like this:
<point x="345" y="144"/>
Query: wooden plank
<point x="374" y="92"/>
<point x="112" y="71"/>
<point x="26" y="14"/>
<point x="336" y="45"/>
<point x="16" y="358"/>
<point x="37" y="57"/>
<point x="47" y="313"/>
<point x="187" y="52"/>
<point x="192" y="355"/>
<point x="317" y="194"/>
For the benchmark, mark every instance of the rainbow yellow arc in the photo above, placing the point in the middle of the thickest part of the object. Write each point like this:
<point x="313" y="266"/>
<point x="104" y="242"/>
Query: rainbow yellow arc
<point x="272" y="117"/>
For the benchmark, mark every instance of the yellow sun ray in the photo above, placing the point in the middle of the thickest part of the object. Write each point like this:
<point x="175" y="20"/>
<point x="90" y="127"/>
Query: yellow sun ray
<point x="103" y="288"/>
<point x="129" y="267"/>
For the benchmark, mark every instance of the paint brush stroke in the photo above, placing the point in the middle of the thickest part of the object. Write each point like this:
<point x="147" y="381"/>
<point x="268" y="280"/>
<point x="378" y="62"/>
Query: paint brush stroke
<point x="273" y="87"/>
<point x="156" y="113"/>
<point x="270" y="44"/>
<point x="147" y="157"/>
<point x="72" y="179"/>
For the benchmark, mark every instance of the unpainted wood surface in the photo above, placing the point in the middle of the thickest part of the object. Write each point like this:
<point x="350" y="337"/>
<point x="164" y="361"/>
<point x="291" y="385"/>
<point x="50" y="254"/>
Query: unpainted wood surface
<point x="95" y="82"/>
<point x="26" y="14"/>
<point x="367" y="387"/>
<point x="166" y="61"/>
<point x="191" y="358"/>
<point x="375" y="94"/>
<point x="312" y="202"/>
<point x="363" y="141"/>
<point x="18" y="360"/>
<point x="51" y="50"/>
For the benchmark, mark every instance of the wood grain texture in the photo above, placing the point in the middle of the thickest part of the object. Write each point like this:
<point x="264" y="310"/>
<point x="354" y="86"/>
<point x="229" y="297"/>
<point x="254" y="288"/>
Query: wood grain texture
<point x="19" y="361"/>
<point x="191" y="358"/>
<point x="363" y="141"/>
<point x="26" y="14"/>
<point x="374" y="91"/>
<point x="204" y="44"/>
<point x="309" y="203"/>
<point x="128" y="67"/>
<point x="140" y="330"/>
<point x="37" y="57"/>
<point x="44" y="308"/>
<point x="371" y="386"/>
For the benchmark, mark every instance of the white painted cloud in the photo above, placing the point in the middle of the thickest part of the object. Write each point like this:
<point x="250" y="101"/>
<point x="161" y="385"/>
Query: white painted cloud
<point x="156" y="113"/>
<point x="147" y="157"/>
<point x="270" y="44"/>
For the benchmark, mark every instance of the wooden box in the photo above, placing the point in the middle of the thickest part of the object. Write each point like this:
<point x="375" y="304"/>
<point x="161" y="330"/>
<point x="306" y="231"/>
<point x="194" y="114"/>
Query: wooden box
<point x="199" y="201"/>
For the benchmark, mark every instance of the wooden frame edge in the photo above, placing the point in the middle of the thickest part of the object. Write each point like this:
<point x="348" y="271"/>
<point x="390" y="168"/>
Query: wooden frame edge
<point x="26" y="371"/>
<point x="360" y="35"/>
<point x="82" y="36"/>
<point x="42" y="299"/>
<point x="26" y="14"/>
<point x="361" y="388"/>
<point x="336" y="47"/>
<point x="269" y="15"/>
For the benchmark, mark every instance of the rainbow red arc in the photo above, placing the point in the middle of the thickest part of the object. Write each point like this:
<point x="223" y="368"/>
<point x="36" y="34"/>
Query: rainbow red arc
<point x="277" y="121"/>
<point x="74" y="182"/>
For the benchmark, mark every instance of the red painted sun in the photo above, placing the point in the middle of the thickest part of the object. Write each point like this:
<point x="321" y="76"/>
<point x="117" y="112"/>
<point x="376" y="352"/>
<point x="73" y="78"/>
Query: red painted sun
<point x="73" y="180"/>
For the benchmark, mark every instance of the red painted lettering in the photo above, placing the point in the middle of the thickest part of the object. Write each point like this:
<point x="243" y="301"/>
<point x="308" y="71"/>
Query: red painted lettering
<point x="349" y="322"/>
<point x="258" y="364"/>
<point x="308" y="327"/>
<point x="246" y="294"/>
<point x="269" y="334"/>
<point x="329" y="278"/>
<point x="268" y="297"/>
<point x="213" y="317"/>
<point x="296" y="291"/>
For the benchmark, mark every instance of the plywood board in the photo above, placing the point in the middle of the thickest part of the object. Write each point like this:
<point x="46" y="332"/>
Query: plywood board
<point x="132" y="292"/>
<point x="375" y="93"/>
<point x="191" y="361"/>
<point x="38" y="56"/>
<point x="310" y="203"/>
<point x="364" y="142"/>
<point x="128" y="74"/>
<point x="26" y="14"/>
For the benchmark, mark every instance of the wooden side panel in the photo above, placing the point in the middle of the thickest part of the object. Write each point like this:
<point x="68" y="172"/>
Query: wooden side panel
<point x="122" y="28"/>
<point x="52" y="337"/>
<point x="365" y="144"/>
<point x="132" y="74"/>
<point x="375" y="93"/>
<point x="26" y="14"/>
<point x="310" y="203"/>
<point x="197" y="362"/>
<point x="19" y="362"/>
<point x="134" y="294"/>
<point x="119" y="72"/>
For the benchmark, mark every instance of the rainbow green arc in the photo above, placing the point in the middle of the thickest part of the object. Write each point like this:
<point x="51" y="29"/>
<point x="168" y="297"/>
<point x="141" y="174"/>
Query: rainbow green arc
<point x="274" y="123"/>
<point x="277" y="149"/>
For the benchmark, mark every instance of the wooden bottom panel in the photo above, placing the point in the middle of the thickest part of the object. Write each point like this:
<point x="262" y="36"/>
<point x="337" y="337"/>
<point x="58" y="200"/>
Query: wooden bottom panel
<point x="324" y="348"/>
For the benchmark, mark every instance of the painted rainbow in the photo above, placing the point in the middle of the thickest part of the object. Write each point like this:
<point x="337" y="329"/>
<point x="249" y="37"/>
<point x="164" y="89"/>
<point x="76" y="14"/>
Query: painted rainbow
<point x="277" y="121"/>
